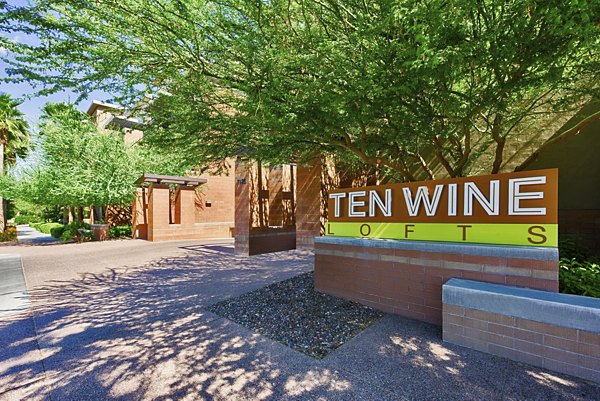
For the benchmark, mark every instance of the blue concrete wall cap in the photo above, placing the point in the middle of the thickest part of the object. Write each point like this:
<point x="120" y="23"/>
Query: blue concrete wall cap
<point x="501" y="251"/>
<point x="572" y="311"/>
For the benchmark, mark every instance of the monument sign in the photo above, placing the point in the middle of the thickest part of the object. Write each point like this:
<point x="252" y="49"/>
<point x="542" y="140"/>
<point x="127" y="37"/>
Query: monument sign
<point x="508" y="209"/>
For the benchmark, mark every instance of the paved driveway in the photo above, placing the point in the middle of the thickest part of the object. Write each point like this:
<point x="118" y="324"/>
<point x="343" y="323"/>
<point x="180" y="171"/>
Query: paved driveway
<point x="124" y="321"/>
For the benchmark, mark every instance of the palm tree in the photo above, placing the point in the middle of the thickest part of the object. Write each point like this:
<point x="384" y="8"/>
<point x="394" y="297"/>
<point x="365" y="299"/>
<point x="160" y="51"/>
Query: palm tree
<point x="14" y="139"/>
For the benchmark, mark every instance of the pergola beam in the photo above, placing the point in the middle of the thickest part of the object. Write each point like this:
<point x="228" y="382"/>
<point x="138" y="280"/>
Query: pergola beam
<point x="170" y="179"/>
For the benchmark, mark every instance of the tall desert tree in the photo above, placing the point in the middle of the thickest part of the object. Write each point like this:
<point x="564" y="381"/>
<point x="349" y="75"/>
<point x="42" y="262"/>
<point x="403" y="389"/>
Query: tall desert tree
<point x="415" y="87"/>
<point x="77" y="165"/>
<point x="14" y="139"/>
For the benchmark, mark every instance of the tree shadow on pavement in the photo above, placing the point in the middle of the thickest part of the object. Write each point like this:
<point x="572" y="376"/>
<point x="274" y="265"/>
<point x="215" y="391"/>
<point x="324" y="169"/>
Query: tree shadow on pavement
<point x="140" y="333"/>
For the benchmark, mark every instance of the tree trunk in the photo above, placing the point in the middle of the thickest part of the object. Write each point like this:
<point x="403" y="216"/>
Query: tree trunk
<point x="98" y="214"/>
<point x="65" y="219"/>
<point x="2" y="210"/>
<point x="79" y="213"/>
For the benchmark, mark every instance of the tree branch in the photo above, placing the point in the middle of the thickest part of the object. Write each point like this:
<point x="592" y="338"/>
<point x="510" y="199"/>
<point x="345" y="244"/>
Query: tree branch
<point x="440" y="156"/>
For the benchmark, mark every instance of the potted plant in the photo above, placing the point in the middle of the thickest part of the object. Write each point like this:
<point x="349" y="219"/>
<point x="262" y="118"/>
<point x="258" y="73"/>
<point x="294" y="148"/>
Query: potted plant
<point x="98" y="224"/>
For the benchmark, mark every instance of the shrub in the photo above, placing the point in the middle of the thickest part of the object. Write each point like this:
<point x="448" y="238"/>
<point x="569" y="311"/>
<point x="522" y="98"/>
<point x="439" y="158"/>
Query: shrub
<point x="45" y="227"/>
<point x="9" y="234"/>
<point x="580" y="278"/>
<point x="57" y="232"/>
<point x="71" y="232"/>
<point x="120" y="232"/>
<point x="579" y="271"/>
<point x="571" y="247"/>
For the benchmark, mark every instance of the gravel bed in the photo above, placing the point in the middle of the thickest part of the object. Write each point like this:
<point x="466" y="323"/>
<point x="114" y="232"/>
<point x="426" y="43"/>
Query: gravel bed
<point x="293" y="313"/>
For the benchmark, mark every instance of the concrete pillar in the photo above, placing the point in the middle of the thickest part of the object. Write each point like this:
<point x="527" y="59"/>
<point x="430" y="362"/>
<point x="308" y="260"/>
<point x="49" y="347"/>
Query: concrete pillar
<point x="242" y="208"/>
<point x="308" y="204"/>
<point x="158" y="210"/>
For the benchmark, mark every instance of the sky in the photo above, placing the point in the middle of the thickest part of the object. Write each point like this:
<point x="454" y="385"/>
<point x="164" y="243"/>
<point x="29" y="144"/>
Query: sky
<point x="32" y="104"/>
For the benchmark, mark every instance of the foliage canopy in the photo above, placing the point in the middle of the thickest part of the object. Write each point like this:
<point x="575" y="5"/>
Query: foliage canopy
<point x="415" y="87"/>
<point x="77" y="165"/>
<point x="14" y="130"/>
<point x="14" y="141"/>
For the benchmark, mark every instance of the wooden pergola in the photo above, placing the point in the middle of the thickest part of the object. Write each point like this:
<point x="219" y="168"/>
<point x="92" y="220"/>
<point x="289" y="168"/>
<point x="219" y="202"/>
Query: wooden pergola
<point x="192" y="182"/>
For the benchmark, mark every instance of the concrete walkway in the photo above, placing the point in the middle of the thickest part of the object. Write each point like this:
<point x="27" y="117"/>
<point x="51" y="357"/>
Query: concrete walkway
<point x="30" y="236"/>
<point x="127" y="331"/>
<point x="13" y="291"/>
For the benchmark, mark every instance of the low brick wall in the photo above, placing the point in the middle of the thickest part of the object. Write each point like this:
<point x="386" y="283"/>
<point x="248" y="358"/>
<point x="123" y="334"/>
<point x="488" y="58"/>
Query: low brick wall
<point x="191" y="232"/>
<point x="555" y="331"/>
<point x="406" y="277"/>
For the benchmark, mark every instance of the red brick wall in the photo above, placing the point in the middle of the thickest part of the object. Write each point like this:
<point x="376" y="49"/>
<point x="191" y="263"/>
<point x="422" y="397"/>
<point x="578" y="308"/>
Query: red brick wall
<point x="562" y="349"/>
<point x="582" y="223"/>
<point x="242" y="208"/>
<point x="256" y="240"/>
<point x="219" y="192"/>
<point x="158" y="219"/>
<point x="275" y="186"/>
<point x="308" y="205"/>
<point x="139" y="214"/>
<point x="409" y="283"/>
<point x="192" y="218"/>
<point x="158" y="210"/>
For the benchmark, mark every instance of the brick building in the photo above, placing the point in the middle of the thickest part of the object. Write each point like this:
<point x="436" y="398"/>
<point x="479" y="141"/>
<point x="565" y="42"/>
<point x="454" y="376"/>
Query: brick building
<point x="257" y="204"/>
<point x="214" y="201"/>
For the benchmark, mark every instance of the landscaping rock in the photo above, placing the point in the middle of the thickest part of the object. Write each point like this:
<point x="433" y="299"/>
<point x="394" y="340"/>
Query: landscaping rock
<point x="293" y="313"/>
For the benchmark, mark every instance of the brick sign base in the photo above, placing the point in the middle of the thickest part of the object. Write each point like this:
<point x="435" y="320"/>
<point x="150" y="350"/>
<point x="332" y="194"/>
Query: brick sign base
<point x="558" y="332"/>
<point x="406" y="277"/>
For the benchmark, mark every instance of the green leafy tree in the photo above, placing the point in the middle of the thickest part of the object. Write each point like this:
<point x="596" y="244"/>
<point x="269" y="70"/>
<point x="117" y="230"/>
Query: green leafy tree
<point x="78" y="165"/>
<point x="417" y="88"/>
<point x="14" y="140"/>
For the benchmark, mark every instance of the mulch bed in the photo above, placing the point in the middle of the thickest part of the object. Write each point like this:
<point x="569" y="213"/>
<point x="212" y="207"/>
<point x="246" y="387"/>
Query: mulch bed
<point x="293" y="313"/>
